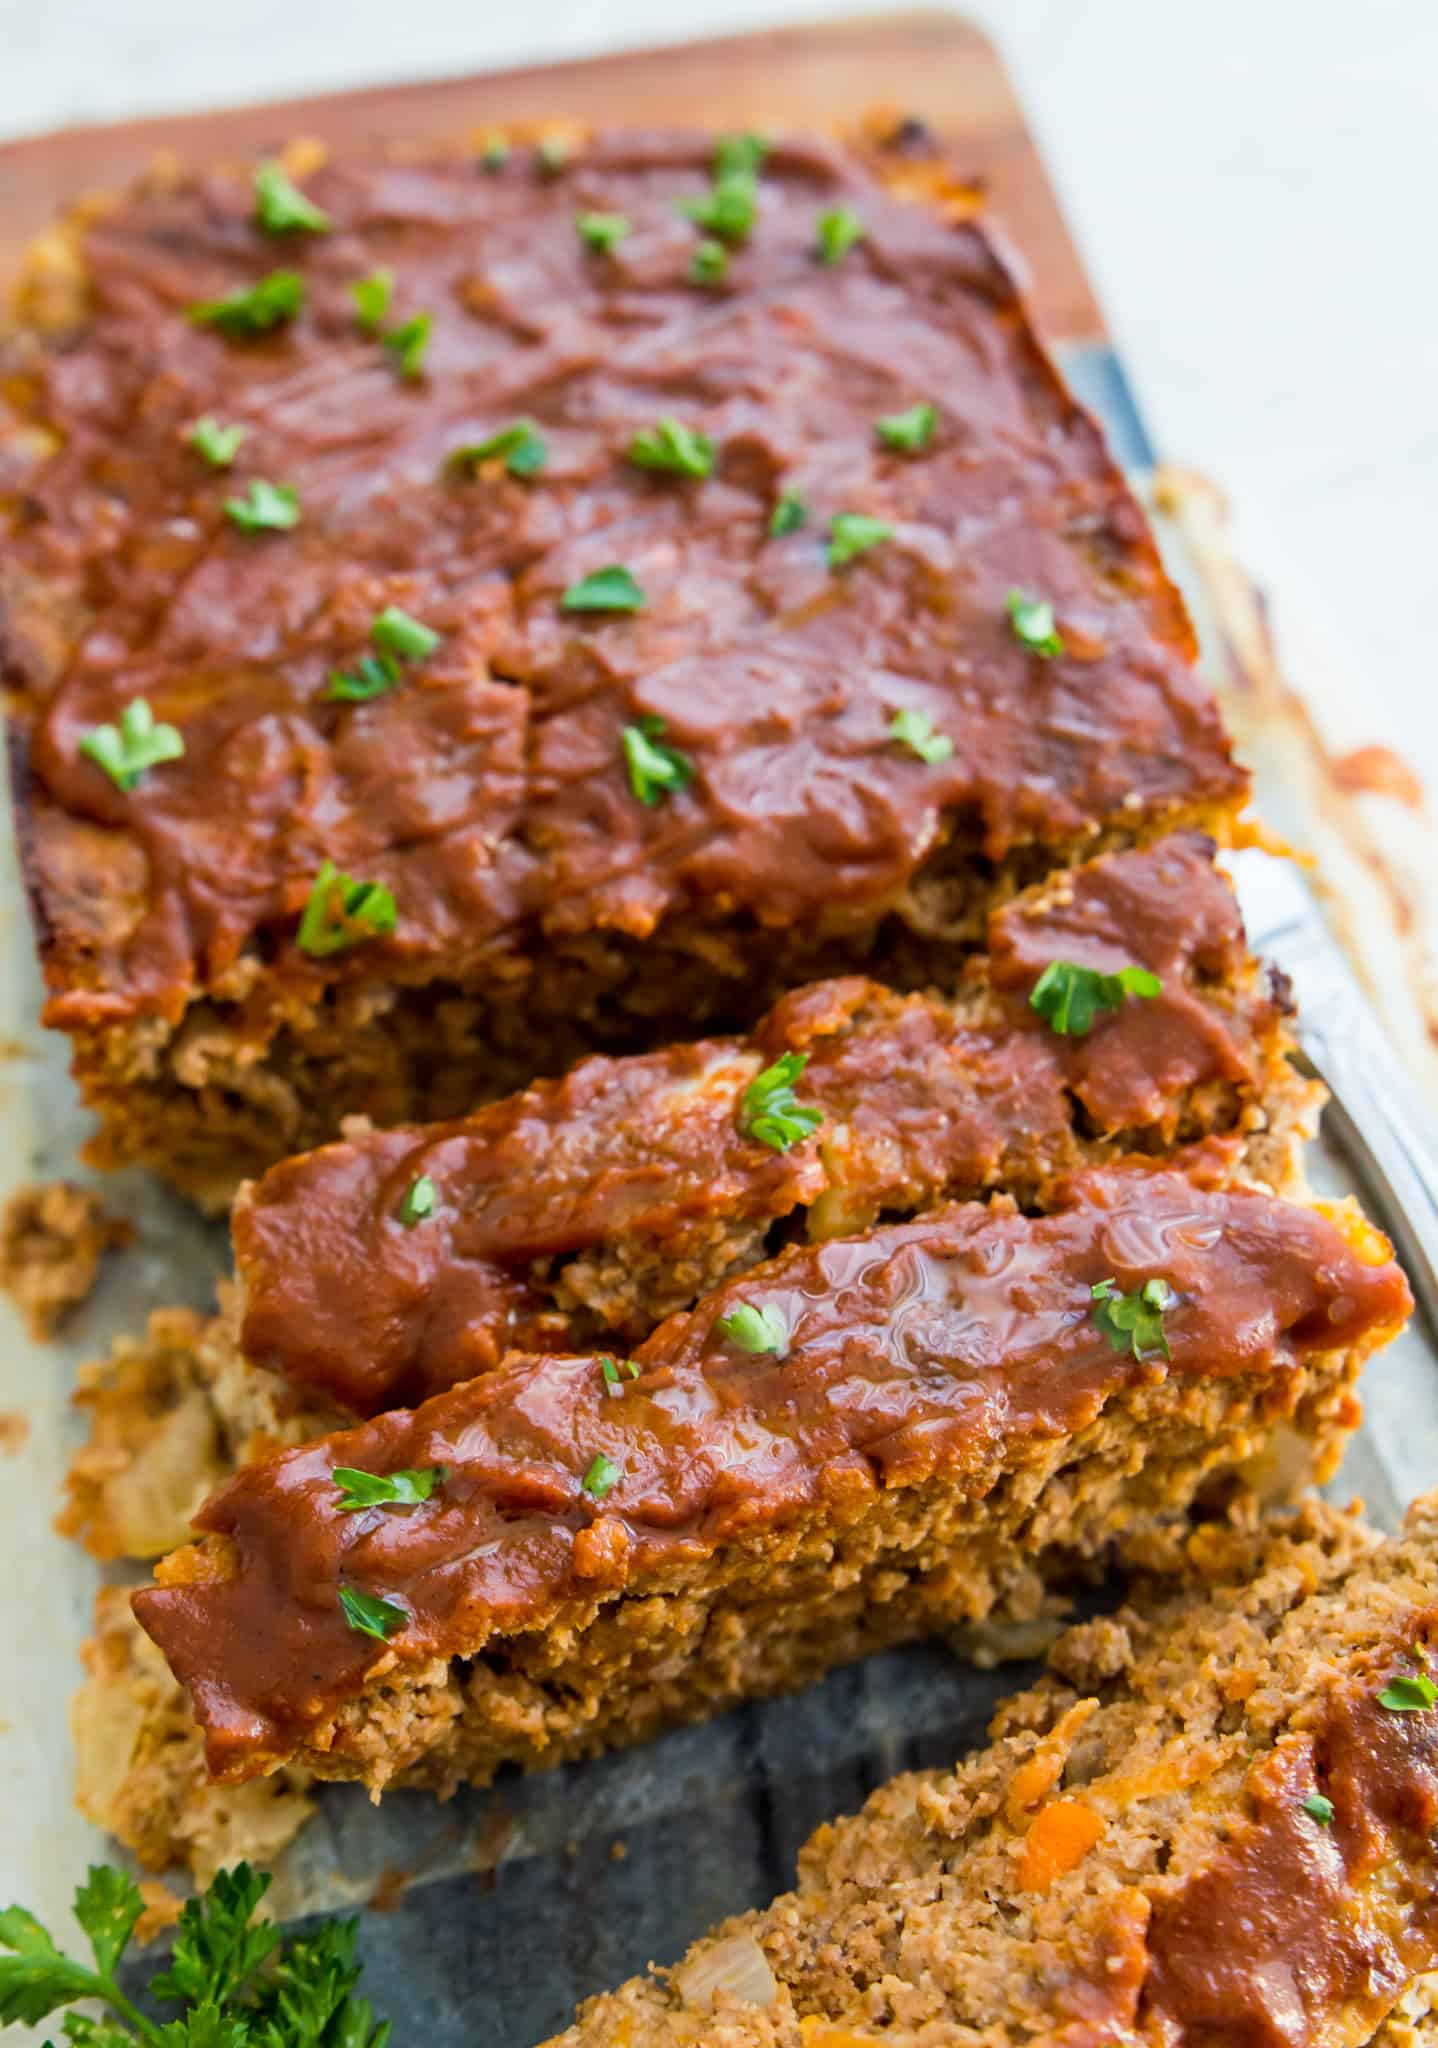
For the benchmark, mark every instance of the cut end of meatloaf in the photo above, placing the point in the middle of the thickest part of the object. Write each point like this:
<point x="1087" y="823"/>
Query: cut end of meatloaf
<point x="856" y="1443"/>
<point x="863" y="755"/>
<point x="583" y="1211"/>
<point x="1212" y="1824"/>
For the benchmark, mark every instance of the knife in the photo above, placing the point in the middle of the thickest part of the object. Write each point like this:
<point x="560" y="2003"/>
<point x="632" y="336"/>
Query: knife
<point x="1380" y="1120"/>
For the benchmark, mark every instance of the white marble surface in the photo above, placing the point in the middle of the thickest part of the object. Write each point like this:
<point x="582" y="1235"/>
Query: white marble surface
<point x="1252" y="182"/>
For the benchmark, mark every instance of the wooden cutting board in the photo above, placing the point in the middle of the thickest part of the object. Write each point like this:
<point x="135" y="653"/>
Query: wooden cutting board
<point x="929" y="63"/>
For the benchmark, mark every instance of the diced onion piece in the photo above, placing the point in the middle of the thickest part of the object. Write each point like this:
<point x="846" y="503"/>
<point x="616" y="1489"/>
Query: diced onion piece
<point x="736" y="1965"/>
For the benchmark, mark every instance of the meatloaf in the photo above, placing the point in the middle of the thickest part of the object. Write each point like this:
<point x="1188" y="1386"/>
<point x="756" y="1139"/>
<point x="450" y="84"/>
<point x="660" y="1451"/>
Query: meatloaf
<point x="460" y="615"/>
<point x="583" y="1211"/>
<point x="851" y="1444"/>
<point x="1215" y="1822"/>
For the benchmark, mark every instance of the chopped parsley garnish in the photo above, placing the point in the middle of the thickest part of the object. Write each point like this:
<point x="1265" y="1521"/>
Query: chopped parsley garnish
<point x="602" y="232"/>
<point x="219" y="445"/>
<point x="495" y="154"/>
<point x="768" y="1110"/>
<point x="655" y="770"/>
<point x="1134" y="1322"/>
<point x="371" y="297"/>
<point x="755" y="1329"/>
<point x="386" y="1489"/>
<point x="551" y="156"/>
<point x="419" y="1201"/>
<point x="234" y="1980"/>
<point x="521" y="445"/>
<point x="1411" y="1692"/>
<point x="915" y="730"/>
<point x="1069" y="997"/>
<point x="407" y="344"/>
<point x="280" y="206"/>
<point x="1318" y="1808"/>
<point x="788" y="515"/>
<point x="614" y="1371"/>
<point x="854" y="533"/>
<point x="341" y="913"/>
<point x="368" y="1615"/>
<point x="126" y="750"/>
<point x="602" y="1477"/>
<point x="728" y="209"/>
<point x="835" y="234"/>
<point x="607" y="590"/>
<point x="711" y="262"/>
<point x="740" y="155"/>
<point x="397" y="633"/>
<point x="908" y="432"/>
<point x="373" y="675"/>
<point x="269" y="508"/>
<point x="1032" y="619"/>
<point x="672" y="447"/>
<point x="268" y="304"/>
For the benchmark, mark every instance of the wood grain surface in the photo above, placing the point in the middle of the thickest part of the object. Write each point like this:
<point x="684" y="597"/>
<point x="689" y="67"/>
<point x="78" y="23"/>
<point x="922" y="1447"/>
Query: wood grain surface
<point x="929" y="63"/>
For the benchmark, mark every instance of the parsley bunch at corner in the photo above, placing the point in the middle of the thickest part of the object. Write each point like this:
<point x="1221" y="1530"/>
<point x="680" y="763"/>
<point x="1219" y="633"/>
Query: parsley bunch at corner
<point x="236" y="1984"/>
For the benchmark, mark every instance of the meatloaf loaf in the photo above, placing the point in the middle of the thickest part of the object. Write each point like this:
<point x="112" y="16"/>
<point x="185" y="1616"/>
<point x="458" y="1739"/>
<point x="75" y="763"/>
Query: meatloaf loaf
<point x="1216" y="1822"/>
<point x="582" y="1212"/>
<point x="462" y="615"/>
<point x="853" y="1443"/>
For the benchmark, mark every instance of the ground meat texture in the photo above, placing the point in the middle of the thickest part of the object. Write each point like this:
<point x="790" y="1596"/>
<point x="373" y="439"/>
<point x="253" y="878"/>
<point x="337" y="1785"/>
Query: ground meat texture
<point x="53" y="1236"/>
<point x="542" y="908"/>
<point x="1135" y="1862"/>
<point x="935" y="1425"/>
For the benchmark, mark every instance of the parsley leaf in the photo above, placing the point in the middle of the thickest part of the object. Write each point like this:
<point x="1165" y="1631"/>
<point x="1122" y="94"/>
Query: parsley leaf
<point x="1032" y="619"/>
<point x="216" y="1948"/>
<point x="728" y="209"/>
<point x="371" y="297"/>
<point x="768" y="1110"/>
<point x="386" y="1489"/>
<point x="854" y="533"/>
<point x="835" y="234"/>
<point x="655" y="770"/>
<point x="419" y="1199"/>
<point x="280" y="206"/>
<point x="740" y="155"/>
<point x="788" y="515"/>
<point x="407" y="344"/>
<point x="341" y="913"/>
<point x="372" y="676"/>
<point x="398" y="633"/>
<point x="711" y="262"/>
<point x="611" y="1370"/>
<point x="602" y="1477"/>
<point x="495" y="154"/>
<point x="551" y="156"/>
<point x="268" y="304"/>
<point x="368" y="1615"/>
<point x="217" y="444"/>
<point x="909" y="431"/>
<point x="1318" y="1808"/>
<point x="521" y="445"/>
<point x="269" y="508"/>
<point x="35" y="1980"/>
<point x="1134" y="1321"/>
<point x="602" y="232"/>
<point x="756" y="1329"/>
<point x="1409" y="1693"/>
<point x="126" y="750"/>
<point x="606" y="590"/>
<point x="1069" y="997"/>
<point x="107" y="1905"/>
<point x="915" y="730"/>
<point x="673" y="447"/>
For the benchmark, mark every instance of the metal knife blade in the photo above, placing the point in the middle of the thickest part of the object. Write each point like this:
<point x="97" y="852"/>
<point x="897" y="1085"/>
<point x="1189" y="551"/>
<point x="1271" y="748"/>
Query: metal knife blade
<point x="1380" y="1120"/>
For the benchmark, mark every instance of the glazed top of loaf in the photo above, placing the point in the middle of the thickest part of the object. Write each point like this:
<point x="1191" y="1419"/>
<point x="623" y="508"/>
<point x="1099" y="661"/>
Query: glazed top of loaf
<point x="487" y="786"/>
<point x="350" y="1296"/>
<point x="920" y="1350"/>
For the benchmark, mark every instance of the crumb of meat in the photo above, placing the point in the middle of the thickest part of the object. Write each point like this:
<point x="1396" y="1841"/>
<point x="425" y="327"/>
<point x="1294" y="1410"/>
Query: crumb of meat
<point x="14" y="1433"/>
<point x="53" y="1236"/>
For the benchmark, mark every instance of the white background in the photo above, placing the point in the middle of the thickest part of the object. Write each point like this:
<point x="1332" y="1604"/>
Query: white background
<point x="1253" y="182"/>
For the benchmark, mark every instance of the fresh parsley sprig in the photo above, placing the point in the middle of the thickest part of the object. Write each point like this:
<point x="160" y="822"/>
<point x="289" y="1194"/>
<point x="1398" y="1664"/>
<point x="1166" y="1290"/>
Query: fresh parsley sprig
<point x="138" y="742"/>
<point x="407" y="1489"/>
<point x="914" y="729"/>
<point x="520" y="446"/>
<point x="280" y="206"/>
<point x="656" y="770"/>
<point x="341" y="912"/>
<point x="1068" y="997"/>
<point x="769" y="1110"/>
<point x="237" y="1984"/>
<point x="674" y="447"/>
<point x="756" y="1330"/>
<point x="1032" y="622"/>
<point x="268" y="304"/>
<point x="1134" y="1322"/>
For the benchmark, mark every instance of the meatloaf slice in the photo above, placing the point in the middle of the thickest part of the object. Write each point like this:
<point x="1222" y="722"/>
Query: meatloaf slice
<point x="1216" y="1822"/>
<point x="344" y="785"/>
<point x="853" y="1444"/>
